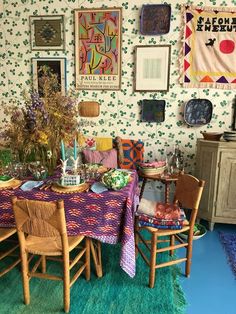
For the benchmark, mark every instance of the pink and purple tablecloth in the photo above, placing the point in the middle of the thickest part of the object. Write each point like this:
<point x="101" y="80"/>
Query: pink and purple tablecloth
<point x="108" y="217"/>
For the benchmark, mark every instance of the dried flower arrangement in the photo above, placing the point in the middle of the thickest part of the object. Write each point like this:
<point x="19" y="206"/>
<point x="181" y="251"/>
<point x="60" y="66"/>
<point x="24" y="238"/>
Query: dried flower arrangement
<point x="37" y="127"/>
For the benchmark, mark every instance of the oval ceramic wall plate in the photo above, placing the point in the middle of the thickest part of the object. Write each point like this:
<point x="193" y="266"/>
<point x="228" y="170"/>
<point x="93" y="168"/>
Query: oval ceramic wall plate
<point x="198" y="112"/>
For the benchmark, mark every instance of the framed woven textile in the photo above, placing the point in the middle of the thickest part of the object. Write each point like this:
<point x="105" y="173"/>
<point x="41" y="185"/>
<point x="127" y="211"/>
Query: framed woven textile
<point x="209" y="47"/>
<point x="56" y="65"/>
<point x="47" y="32"/>
<point x="98" y="48"/>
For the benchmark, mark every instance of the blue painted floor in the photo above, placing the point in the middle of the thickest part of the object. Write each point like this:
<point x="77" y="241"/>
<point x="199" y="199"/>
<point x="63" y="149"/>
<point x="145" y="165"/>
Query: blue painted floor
<point x="211" y="288"/>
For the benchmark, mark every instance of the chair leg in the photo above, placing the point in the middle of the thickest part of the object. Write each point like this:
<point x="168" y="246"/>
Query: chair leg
<point x="136" y="236"/>
<point x="66" y="282"/>
<point x="189" y="256"/>
<point x="172" y="242"/>
<point x="25" y="277"/>
<point x="153" y="261"/>
<point x="43" y="264"/>
<point x="87" y="259"/>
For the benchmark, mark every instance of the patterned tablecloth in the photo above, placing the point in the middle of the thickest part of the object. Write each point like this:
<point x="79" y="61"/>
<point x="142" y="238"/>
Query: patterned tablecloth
<point x="108" y="217"/>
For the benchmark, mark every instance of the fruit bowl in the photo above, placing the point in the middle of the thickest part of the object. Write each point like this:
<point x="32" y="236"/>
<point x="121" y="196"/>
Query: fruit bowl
<point x="211" y="136"/>
<point x="198" y="232"/>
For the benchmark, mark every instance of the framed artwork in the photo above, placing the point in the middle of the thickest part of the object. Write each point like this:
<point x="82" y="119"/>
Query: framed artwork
<point x="152" y="68"/>
<point x="47" y="32"/>
<point x="98" y="48"/>
<point x="57" y="66"/>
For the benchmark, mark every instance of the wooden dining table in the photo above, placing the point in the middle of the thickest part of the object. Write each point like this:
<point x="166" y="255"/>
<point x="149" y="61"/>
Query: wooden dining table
<point x="107" y="216"/>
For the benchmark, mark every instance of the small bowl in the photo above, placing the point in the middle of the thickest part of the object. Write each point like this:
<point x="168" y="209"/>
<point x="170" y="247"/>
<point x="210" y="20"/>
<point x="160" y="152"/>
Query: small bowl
<point x="202" y="231"/>
<point x="211" y="136"/>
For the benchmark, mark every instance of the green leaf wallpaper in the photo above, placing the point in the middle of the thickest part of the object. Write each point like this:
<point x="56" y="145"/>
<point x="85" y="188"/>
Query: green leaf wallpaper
<point x="120" y="110"/>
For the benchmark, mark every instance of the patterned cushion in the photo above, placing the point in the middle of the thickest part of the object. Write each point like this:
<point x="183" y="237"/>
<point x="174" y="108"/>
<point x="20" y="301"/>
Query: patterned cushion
<point x="133" y="153"/>
<point x="107" y="158"/>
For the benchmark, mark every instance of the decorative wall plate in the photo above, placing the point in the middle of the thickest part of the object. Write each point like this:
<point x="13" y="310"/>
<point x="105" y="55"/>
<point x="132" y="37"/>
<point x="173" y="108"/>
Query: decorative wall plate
<point x="198" y="112"/>
<point x="155" y="19"/>
<point x="153" y="110"/>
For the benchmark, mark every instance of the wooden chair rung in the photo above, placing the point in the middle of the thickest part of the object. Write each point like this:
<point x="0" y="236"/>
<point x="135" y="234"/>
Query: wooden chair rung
<point x="3" y="272"/>
<point x="171" y="247"/>
<point x="179" y="239"/>
<point x="45" y="276"/>
<point x="77" y="274"/>
<point x="143" y="256"/>
<point x="36" y="265"/>
<point x="77" y="258"/>
<point x="6" y="253"/>
<point x="169" y="263"/>
<point x="144" y="241"/>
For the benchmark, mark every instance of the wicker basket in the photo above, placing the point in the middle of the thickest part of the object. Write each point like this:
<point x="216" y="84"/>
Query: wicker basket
<point x="151" y="171"/>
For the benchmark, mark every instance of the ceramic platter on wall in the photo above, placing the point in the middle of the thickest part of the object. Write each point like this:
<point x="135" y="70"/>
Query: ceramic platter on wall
<point x="155" y="19"/>
<point x="198" y="112"/>
<point x="153" y="110"/>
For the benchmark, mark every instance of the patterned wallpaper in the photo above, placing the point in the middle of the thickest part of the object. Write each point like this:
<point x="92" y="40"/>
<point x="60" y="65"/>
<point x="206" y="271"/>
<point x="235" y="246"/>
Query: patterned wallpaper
<point x="120" y="110"/>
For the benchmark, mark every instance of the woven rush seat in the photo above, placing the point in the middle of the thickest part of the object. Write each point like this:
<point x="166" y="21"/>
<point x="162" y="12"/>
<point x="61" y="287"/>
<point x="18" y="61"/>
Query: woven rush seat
<point x="51" y="246"/>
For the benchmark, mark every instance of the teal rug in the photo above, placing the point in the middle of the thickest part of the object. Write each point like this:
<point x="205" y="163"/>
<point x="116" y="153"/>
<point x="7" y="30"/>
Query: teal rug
<point x="114" y="293"/>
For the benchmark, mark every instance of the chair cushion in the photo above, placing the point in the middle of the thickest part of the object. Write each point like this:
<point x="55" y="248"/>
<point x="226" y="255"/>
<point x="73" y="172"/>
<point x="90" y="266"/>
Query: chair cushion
<point x="159" y="210"/>
<point x="133" y="153"/>
<point x="107" y="158"/>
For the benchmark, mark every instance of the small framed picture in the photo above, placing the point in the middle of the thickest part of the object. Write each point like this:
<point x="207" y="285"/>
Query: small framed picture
<point x="47" y="32"/>
<point x="152" y="68"/>
<point x="56" y="65"/>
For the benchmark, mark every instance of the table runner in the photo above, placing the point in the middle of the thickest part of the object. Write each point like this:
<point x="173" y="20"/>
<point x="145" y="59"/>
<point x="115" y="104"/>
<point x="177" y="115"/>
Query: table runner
<point x="108" y="217"/>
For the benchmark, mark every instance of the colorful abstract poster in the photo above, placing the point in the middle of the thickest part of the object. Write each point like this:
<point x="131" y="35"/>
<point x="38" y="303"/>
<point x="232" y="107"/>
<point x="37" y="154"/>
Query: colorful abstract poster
<point x="209" y="47"/>
<point x="98" y="48"/>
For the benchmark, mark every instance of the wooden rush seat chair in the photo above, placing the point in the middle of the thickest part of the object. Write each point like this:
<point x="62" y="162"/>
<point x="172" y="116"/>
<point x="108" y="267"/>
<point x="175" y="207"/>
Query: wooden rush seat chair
<point x="41" y="228"/>
<point x="187" y="195"/>
<point x="6" y="236"/>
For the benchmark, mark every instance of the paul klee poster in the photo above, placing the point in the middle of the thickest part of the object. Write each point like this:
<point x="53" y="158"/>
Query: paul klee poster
<point x="97" y="48"/>
<point x="209" y="47"/>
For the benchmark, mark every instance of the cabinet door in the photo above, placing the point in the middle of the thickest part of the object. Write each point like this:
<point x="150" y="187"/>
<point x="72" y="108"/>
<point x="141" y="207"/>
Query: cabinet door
<point x="207" y="170"/>
<point x="226" y="194"/>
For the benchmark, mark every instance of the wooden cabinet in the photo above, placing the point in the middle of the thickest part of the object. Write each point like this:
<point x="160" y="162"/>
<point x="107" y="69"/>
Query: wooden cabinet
<point x="216" y="164"/>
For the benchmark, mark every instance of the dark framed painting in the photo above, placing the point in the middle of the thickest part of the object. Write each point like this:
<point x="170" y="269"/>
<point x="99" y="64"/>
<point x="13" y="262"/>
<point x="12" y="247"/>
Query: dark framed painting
<point x="152" y="68"/>
<point x="47" y="32"/>
<point x="98" y="48"/>
<point x="56" y="66"/>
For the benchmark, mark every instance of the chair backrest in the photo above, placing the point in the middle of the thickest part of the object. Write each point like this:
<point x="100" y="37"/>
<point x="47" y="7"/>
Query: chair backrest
<point x="188" y="191"/>
<point x="39" y="218"/>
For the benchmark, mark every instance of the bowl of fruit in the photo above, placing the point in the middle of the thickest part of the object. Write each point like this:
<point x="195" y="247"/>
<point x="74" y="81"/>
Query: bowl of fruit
<point x="198" y="232"/>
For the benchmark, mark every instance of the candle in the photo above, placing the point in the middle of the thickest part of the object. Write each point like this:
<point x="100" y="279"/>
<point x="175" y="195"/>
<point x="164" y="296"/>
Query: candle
<point x="63" y="156"/>
<point x="75" y="149"/>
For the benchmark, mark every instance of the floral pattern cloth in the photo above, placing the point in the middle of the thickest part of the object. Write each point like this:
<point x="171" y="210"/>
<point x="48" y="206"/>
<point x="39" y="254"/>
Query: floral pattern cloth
<point x="108" y="217"/>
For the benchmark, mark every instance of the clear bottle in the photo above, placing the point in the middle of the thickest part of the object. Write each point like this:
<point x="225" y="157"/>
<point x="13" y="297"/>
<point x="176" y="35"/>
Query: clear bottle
<point x="174" y="163"/>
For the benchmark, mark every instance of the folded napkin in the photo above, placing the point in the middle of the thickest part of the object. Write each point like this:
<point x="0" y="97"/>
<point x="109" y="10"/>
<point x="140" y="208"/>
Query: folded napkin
<point x="98" y="187"/>
<point x="29" y="185"/>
